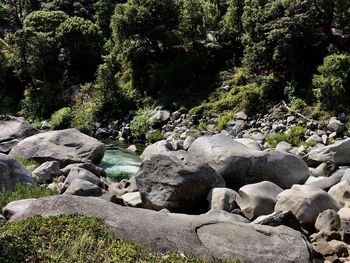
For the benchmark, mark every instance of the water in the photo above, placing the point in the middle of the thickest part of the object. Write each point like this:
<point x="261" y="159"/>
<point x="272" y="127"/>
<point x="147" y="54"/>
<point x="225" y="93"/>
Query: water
<point x="118" y="163"/>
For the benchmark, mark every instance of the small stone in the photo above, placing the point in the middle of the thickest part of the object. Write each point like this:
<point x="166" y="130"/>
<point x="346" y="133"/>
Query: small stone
<point x="132" y="199"/>
<point x="322" y="246"/>
<point x="222" y="198"/>
<point x="339" y="248"/>
<point x="335" y="126"/>
<point x="328" y="220"/>
<point x="132" y="148"/>
<point x="241" y="115"/>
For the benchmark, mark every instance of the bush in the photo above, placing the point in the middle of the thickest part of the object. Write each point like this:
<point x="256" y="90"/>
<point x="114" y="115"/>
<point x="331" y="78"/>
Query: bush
<point x="71" y="238"/>
<point x="141" y="123"/>
<point x="61" y="119"/>
<point x="223" y="120"/>
<point x="295" y="136"/>
<point x="155" y="136"/>
<point x="84" y="116"/>
<point x="23" y="192"/>
<point x="332" y="86"/>
<point x="29" y="164"/>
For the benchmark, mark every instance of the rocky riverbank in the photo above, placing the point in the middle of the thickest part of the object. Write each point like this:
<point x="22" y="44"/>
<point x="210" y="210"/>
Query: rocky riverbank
<point x="212" y="196"/>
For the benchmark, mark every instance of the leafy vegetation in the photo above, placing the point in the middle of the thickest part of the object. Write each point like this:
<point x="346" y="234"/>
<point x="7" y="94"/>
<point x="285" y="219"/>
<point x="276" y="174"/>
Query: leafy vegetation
<point x="62" y="118"/>
<point x="294" y="136"/>
<point x="141" y="123"/>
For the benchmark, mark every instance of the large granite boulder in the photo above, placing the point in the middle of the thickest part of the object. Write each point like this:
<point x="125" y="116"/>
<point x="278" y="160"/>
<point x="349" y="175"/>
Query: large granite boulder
<point x="338" y="152"/>
<point x="341" y="193"/>
<point x="159" y="147"/>
<point x="175" y="182"/>
<point x="240" y="165"/>
<point x="199" y="236"/>
<point x="65" y="146"/>
<point x="306" y="203"/>
<point x="83" y="188"/>
<point x="46" y="172"/>
<point x="12" y="130"/>
<point x="11" y="173"/>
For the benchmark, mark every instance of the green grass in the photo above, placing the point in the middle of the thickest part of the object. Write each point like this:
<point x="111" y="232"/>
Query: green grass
<point x="30" y="164"/>
<point x="24" y="192"/>
<point x="223" y="120"/>
<point x="155" y="137"/>
<point x="295" y="137"/>
<point x="73" y="238"/>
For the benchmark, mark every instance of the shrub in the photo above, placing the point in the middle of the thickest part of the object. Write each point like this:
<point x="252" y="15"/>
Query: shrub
<point x="23" y="192"/>
<point x="71" y="238"/>
<point x="155" y="136"/>
<point x="223" y="120"/>
<point x="141" y="123"/>
<point x="84" y="116"/>
<point x="295" y="136"/>
<point x="30" y="164"/>
<point x="61" y="119"/>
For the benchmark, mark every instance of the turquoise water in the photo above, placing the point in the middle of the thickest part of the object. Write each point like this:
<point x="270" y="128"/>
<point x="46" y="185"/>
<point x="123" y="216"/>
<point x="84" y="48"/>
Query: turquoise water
<point x="119" y="163"/>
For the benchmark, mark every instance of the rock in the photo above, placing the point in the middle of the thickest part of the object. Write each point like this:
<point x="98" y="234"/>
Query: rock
<point x="11" y="173"/>
<point x="132" y="148"/>
<point x="132" y="199"/>
<point x="5" y="147"/>
<point x="285" y="218"/>
<point x="344" y="214"/>
<point x="284" y="147"/>
<point x="314" y="138"/>
<point x="340" y="248"/>
<point x="159" y="147"/>
<point x="98" y="171"/>
<point x="55" y="186"/>
<point x="257" y="199"/>
<point x="46" y="172"/>
<point x="326" y="183"/>
<point x="249" y="143"/>
<point x="322" y="247"/>
<point x="15" y="128"/>
<point x="224" y="216"/>
<point x="341" y="193"/>
<point x="338" y="153"/>
<point x="175" y="183"/>
<point x="125" y="132"/>
<point x="159" y="118"/>
<point x="83" y="188"/>
<point x="176" y="114"/>
<point x="336" y="126"/>
<point x="188" y="142"/>
<point x="188" y="234"/>
<point x="291" y="119"/>
<point x="101" y="133"/>
<point x="177" y="145"/>
<point x="15" y="207"/>
<point x="240" y="165"/>
<point x="45" y="125"/>
<point x="241" y="115"/>
<point x="222" y="199"/>
<point x="112" y="198"/>
<point x="323" y="170"/>
<point x="306" y="203"/>
<point x="124" y="186"/>
<point x="327" y="220"/>
<point x="79" y="173"/>
<point x="65" y="146"/>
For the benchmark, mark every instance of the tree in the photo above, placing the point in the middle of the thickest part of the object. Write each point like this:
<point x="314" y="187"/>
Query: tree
<point x="104" y="13"/>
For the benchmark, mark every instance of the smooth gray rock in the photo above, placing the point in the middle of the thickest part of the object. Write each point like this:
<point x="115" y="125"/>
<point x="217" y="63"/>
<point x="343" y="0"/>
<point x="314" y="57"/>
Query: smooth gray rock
<point x="341" y="193"/>
<point x="175" y="182"/>
<point x="327" y="220"/>
<point x="132" y="199"/>
<point x="15" y="207"/>
<point x="83" y="188"/>
<point x="160" y="117"/>
<point x="98" y="171"/>
<point x="336" y="126"/>
<point x="123" y="187"/>
<point x="306" y="203"/>
<point x="224" y="216"/>
<point x="257" y="199"/>
<point x="65" y="146"/>
<point x="326" y="183"/>
<point x="240" y="165"/>
<point x="11" y="173"/>
<point x="15" y="128"/>
<point x="80" y="173"/>
<point x="159" y="147"/>
<point x="249" y="143"/>
<point x="280" y="218"/>
<point x="222" y="198"/>
<point x="338" y="153"/>
<point x="323" y="170"/>
<point x="284" y="147"/>
<point x="191" y="235"/>
<point x="5" y="147"/>
<point x="46" y="172"/>
<point x="188" y="142"/>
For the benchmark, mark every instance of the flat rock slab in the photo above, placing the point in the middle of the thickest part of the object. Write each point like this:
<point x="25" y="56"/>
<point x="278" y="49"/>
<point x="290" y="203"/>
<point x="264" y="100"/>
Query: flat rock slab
<point x="65" y="146"/>
<point x="192" y="235"/>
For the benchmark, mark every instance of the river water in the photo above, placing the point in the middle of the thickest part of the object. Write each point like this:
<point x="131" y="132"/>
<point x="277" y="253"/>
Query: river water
<point x="119" y="163"/>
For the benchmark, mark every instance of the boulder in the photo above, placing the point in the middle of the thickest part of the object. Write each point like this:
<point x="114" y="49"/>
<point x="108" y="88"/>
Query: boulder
<point x="188" y="142"/>
<point x="338" y="153"/>
<point x="222" y="199"/>
<point x="98" y="171"/>
<point x="83" y="188"/>
<point x="132" y="199"/>
<point x="159" y="147"/>
<point x="224" y="216"/>
<point x="159" y="118"/>
<point x="306" y="203"/>
<point x="249" y="143"/>
<point x="5" y="147"/>
<point x="65" y="146"/>
<point x="11" y="173"/>
<point x="123" y="187"/>
<point x="284" y="147"/>
<point x="326" y="183"/>
<point x="15" y="207"/>
<point x="327" y="220"/>
<point x="80" y="173"/>
<point x="323" y="170"/>
<point x="191" y="235"/>
<point x="176" y="183"/>
<point x="281" y="218"/>
<point x="258" y="199"/>
<point x="240" y="165"/>
<point x="341" y="193"/>
<point x="46" y="172"/>
<point x="336" y="126"/>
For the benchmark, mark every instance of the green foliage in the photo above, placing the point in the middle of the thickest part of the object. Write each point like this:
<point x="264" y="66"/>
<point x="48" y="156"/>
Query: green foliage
<point x="61" y="119"/>
<point x="23" y="192"/>
<point x="223" y="120"/>
<point x="332" y="85"/>
<point x="141" y="123"/>
<point x="71" y="238"/>
<point x="294" y="136"/>
<point x="30" y="164"/>
<point x="155" y="136"/>
<point x="84" y="116"/>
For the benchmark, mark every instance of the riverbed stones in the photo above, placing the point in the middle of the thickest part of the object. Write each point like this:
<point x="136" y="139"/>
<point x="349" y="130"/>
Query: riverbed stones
<point x="80" y="173"/>
<point x="341" y="193"/>
<point x="240" y="165"/>
<point x="11" y="173"/>
<point x="46" y="172"/>
<point x="306" y="203"/>
<point x="258" y="199"/>
<point x="175" y="182"/>
<point x="83" y="188"/>
<point x="191" y="235"/>
<point x="64" y="146"/>
<point x="222" y="199"/>
<point x="98" y="171"/>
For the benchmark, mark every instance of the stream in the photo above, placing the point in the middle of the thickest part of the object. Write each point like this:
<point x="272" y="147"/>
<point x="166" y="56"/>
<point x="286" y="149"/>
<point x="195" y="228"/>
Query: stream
<point x="119" y="163"/>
